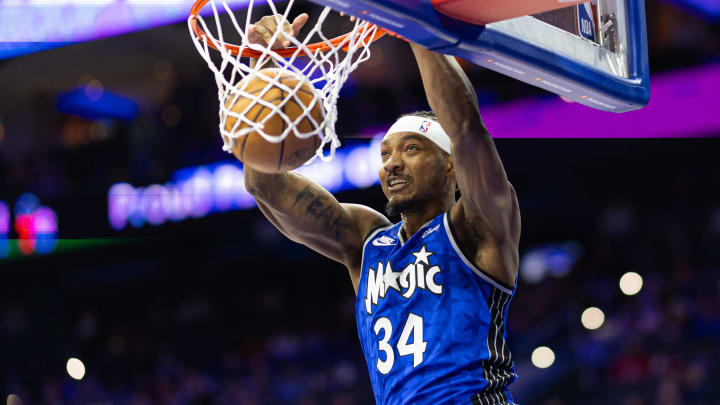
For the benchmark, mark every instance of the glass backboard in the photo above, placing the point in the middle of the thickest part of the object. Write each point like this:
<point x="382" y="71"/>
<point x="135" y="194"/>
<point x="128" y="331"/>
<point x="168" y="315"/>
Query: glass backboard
<point x="594" y="53"/>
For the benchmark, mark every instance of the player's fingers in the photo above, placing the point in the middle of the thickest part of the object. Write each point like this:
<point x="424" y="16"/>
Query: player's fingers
<point x="264" y="35"/>
<point x="285" y="34"/>
<point x="282" y="41"/>
<point x="270" y="23"/>
<point x="352" y="18"/>
<point x="253" y="36"/>
<point x="262" y="32"/>
<point x="299" y="22"/>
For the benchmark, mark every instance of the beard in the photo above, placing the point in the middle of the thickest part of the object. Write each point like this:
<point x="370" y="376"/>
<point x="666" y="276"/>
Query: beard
<point x="393" y="210"/>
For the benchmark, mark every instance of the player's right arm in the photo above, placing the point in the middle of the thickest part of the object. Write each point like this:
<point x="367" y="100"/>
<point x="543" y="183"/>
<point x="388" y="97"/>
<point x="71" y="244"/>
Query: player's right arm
<point x="307" y="213"/>
<point x="300" y="208"/>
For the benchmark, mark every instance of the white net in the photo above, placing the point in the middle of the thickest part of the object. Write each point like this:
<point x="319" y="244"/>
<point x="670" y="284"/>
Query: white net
<point x="325" y="66"/>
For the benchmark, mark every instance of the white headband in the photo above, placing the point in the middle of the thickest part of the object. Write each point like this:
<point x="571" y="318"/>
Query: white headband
<point x="422" y="126"/>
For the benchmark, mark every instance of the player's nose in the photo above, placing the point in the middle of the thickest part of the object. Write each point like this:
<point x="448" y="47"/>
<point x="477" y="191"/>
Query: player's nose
<point x="393" y="163"/>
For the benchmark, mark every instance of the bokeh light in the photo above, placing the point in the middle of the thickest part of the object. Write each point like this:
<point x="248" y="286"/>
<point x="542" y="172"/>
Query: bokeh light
<point x="592" y="318"/>
<point x="75" y="368"/>
<point x="171" y="115"/>
<point x="542" y="357"/>
<point x="94" y="90"/>
<point x="13" y="399"/>
<point x="631" y="283"/>
<point x="162" y="69"/>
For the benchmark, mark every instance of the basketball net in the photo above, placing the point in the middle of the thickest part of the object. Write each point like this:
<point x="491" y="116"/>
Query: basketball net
<point x="326" y="65"/>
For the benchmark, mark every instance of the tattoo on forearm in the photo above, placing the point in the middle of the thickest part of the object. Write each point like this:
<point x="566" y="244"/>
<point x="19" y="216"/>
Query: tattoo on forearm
<point x="318" y="208"/>
<point x="305" y="194"/>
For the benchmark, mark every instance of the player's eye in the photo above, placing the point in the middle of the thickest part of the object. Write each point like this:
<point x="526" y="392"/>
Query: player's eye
<point x="411" y="147"/>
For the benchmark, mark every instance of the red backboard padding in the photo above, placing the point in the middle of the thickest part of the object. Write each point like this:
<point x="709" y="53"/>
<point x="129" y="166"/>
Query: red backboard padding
<point x="483" y="12"/>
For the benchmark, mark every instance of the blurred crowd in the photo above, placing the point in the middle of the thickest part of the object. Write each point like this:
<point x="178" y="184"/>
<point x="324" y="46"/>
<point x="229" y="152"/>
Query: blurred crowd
<point x="661" y="346"/>
<point x="247" y="333"/>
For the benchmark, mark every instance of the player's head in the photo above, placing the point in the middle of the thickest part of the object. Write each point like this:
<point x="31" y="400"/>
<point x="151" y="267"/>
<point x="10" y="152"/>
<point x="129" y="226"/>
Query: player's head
<point x="417" y="169"/>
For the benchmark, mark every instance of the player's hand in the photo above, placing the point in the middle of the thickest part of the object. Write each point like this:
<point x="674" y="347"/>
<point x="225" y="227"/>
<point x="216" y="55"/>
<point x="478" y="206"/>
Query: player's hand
<point x="262" y="31"/>
<point x="352" y="18"/>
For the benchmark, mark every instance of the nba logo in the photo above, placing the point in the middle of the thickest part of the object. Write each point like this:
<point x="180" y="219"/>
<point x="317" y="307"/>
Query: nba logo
<point x="424" y="127"/>
<point x="586" y="21"/>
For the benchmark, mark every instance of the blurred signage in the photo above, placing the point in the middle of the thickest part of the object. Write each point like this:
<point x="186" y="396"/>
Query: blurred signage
<point x="199" y="191"/>
<point x="709" y="9"/>
<point x="32" y="25"/>
<point x="4" y="230"/>
<point x="35" y="226"/>
<point x="555" y="259"/>
<point x="102" y="105"/>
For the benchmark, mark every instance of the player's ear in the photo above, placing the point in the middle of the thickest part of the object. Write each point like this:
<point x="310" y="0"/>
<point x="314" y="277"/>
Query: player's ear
<point x="449" y="167"/>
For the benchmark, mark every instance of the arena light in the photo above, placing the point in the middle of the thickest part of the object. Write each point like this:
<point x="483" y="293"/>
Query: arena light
<point x="631" y="283"/>
<point x="75" y="368"/>
<point x="36" y="226"/>
<point x="4" y="218"/>
<point x="94" y="102"/>
<point x="707" y="8"/>
<point x="63" y="22"/>
<point x="592" y="318"/>
<point x="542" y="357"/>
<point x="555" y="259"/>
<point x="696" y="85"/>
<point x="532" y="267"/>
<point x="13" y="399"/>
<point x="4" y="230"/>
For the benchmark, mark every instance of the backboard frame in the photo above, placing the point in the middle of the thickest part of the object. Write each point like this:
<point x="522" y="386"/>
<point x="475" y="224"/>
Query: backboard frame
<point x="494" y="48"/>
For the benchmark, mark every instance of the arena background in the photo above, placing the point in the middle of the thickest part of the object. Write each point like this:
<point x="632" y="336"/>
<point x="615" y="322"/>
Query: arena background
<point x="221" y="308"/>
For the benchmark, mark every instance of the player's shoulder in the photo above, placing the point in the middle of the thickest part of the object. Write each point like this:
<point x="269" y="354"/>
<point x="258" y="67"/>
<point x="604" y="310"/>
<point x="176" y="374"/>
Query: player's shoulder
<point x="496" y="256"/>
<point x="366" y="219"/>
<point x="473" y="222"/>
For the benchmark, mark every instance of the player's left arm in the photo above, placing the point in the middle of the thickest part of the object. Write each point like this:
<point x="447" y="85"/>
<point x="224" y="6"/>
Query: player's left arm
<point x="488" y="199"/>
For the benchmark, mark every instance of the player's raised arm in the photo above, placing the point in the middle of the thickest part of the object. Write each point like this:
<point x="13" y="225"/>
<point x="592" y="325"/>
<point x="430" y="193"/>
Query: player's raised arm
<point x="300" y="208"/>
<point x="486" y="193"/>
<point x="307" y="213"/>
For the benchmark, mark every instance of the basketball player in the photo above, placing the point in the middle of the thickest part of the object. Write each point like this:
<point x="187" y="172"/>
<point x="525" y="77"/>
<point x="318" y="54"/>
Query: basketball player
<point x="433" y="289"/>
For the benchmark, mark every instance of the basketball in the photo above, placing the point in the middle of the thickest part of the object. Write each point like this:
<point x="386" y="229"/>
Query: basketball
<point x="254" y="150"/>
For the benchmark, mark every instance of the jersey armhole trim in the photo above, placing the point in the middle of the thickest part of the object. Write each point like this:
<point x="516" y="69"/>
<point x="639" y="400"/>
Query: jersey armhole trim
<point x="485" y="276"/>
<point x="370" y="236"/>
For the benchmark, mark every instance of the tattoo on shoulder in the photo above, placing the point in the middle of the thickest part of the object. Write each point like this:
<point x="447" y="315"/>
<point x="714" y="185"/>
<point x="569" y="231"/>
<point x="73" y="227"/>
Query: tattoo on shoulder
<point x="318" y="208"/>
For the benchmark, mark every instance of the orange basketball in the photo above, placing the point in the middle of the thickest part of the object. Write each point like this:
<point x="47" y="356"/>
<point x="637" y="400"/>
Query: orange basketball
<point x="252" y="149"/>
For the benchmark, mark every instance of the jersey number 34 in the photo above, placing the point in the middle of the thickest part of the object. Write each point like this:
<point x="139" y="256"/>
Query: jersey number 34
<point x="413" y="326"/>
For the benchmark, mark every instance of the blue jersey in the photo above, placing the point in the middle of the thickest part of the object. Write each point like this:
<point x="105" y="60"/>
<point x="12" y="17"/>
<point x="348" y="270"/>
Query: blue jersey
<point x="431" y="324"/>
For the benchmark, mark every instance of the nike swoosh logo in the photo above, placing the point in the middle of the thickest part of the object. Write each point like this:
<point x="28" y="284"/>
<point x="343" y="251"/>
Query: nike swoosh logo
<point x="378" y="242"/>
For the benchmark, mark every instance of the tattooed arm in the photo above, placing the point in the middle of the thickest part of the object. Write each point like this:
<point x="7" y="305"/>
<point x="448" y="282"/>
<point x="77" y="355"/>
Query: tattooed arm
<point x="307" y="213"/>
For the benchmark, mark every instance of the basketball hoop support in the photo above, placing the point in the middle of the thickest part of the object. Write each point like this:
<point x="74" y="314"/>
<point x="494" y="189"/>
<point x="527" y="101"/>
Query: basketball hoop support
<point x="496" y="48"/>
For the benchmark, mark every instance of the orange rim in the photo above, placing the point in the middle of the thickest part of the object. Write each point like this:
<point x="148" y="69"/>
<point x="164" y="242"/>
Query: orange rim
<point x="286" y="52"/>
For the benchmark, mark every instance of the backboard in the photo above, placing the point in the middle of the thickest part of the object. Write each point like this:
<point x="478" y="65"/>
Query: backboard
<point x="593" y="53"/>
